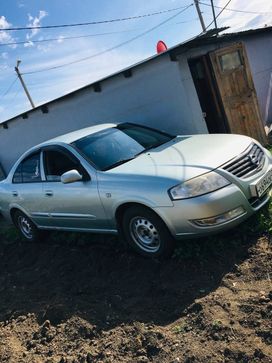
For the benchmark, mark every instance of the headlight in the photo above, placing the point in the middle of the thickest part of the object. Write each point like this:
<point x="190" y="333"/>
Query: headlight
<point x="200" y="185"/>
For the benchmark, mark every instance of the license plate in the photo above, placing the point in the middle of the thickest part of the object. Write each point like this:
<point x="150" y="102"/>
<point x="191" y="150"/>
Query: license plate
<point x="264" y="184"/>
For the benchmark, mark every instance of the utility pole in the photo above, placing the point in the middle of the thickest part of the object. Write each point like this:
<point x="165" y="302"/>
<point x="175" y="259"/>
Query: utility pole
<point x="200" y="15"/>
<point x="214" y="17"/>
<point x="23" y="83"/>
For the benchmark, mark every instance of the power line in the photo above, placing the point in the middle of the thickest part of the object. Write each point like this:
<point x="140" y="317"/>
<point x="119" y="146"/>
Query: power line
<point x="224" y="8"/>
<point x="64" y="38"/>
<point x="81" y="36"/>
<point x="96" y="22"/>
<point x="237" y="10"/>
<point x="188" y="21"/>
<point x="15" y="95"/>
<point x="10" y="87"/>
<point x="114" y="47"/>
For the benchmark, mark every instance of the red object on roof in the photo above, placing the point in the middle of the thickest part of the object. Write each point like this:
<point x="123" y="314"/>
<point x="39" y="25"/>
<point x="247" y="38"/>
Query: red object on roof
<point x="161" y="47"/>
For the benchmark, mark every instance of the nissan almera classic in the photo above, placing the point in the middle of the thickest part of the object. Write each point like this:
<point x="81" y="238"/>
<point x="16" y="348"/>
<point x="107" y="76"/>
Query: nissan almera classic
<point x="149" y="186"/>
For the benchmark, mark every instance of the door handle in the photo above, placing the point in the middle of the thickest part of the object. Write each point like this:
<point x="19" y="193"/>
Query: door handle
<point x="49" y="193"/>
<point x="15" y="193"/>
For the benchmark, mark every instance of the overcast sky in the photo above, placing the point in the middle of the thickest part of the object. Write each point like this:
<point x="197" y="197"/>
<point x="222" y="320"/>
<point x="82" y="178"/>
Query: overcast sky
<point x="173" y="27"/>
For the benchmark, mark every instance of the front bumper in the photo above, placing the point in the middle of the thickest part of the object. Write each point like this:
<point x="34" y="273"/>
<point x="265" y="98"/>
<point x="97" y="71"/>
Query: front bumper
<point x="179" y="217"/>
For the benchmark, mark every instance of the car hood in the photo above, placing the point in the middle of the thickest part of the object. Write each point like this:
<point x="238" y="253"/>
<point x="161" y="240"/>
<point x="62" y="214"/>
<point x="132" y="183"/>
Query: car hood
<point x="186" y="156"/>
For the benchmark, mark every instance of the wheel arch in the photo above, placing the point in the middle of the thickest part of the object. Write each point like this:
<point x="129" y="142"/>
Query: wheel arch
<point x="166" y="239"/>
<point x="119" y="213"/>
<point x="14" y="209"/>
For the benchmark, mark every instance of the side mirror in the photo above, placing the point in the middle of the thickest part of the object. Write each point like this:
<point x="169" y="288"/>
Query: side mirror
<point x="70" y="176"/>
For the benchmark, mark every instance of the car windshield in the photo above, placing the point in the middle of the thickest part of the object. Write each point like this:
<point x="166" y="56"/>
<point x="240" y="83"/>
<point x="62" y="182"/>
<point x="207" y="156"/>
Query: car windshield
<point x="114" y="146"/>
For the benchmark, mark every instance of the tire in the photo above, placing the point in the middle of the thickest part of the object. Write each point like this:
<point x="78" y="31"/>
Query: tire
<point x="146" y="233"/>
<point x="28" y="231"/>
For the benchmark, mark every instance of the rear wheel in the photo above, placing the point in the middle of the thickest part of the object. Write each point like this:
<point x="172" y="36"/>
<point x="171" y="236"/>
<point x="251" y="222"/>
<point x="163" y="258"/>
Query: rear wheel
<point x="146" y="233"/>
<point x="26" y="227"/>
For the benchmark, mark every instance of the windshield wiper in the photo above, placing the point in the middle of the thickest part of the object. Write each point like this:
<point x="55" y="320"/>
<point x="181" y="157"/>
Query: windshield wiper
<point x="151" y="147"/>
<point x="119" y="162"/>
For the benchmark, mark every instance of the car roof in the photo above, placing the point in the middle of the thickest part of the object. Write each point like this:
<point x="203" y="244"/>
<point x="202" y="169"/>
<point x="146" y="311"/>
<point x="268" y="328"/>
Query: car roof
<point x="63" y="139"/>
<point x="78" y="134"/>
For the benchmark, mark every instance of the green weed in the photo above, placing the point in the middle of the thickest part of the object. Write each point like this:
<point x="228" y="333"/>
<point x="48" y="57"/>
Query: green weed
<point x="180" y="329"/>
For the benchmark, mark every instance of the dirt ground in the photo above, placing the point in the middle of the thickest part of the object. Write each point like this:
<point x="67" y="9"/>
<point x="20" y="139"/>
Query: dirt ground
<point x="86" y="299"/>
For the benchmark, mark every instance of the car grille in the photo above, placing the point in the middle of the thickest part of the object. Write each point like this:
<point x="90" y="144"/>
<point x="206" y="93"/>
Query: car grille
<point x="246" y="164"/>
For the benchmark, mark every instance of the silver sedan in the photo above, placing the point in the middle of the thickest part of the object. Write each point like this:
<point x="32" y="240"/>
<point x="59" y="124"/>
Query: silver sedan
<point x="149" y="186"/>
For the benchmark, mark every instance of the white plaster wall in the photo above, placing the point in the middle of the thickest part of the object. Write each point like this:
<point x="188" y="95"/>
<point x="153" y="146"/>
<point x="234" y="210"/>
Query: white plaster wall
<point x="159" y="94"/>
<point x="259" y="51"/>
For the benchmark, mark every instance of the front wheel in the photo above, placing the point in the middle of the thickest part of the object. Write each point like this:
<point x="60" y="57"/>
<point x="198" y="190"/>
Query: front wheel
<point x="26" y="227"/>
<point x="146" y="233"/>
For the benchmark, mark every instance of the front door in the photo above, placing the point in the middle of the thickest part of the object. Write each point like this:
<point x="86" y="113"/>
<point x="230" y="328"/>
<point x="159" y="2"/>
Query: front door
<point x="74" y="206"/>
<point x="236" y="88"/>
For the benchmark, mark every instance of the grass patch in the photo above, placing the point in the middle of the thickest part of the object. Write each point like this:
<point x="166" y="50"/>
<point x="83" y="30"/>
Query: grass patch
<point x="200" y="248"/>
<point x="9" y="234"/>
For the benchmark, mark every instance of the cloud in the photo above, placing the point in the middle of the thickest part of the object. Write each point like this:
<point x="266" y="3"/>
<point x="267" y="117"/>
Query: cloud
<point x="4" y="23"/>
<point x="28" y="44"/>
<point x="35" y="22"/>
<point x="4" y="55"/>
<point x="3" y="68"/>
<point x="5" y="36"/>
<point x="82" y="48"/>
<point x="238" y="21"/>
<point x="60" y="39"/>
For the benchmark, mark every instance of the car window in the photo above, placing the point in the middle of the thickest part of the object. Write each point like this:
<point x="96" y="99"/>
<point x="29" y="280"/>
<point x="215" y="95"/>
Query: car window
<point x="2" y="173"/>
<point x="17" y="176"/>
<point x="57" y="162"/>
<point x="28" y="170"/>
<point x="116" y="145"/>
<point x="107" y="147"/>
<point x="147" y="137"/>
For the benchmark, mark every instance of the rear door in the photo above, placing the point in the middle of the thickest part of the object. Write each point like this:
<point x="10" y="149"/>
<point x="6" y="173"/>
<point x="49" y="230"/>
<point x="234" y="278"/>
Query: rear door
<point x="26" y="187"/>
<point x="236" y="88"/>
